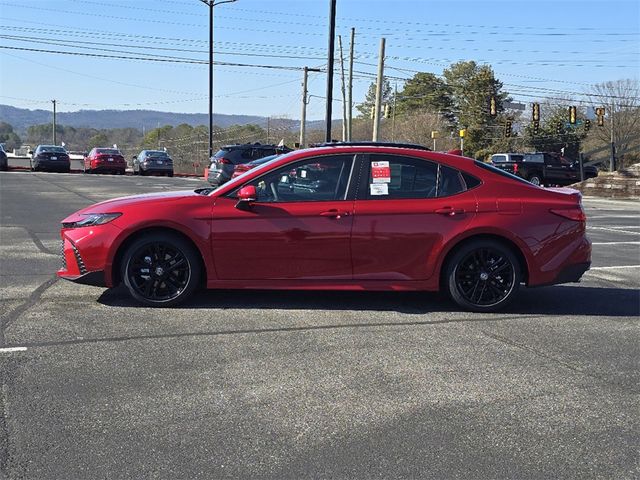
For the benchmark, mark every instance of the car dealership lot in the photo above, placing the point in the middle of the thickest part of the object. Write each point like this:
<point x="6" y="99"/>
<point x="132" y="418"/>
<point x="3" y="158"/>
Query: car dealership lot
<point x="309" y="384"/>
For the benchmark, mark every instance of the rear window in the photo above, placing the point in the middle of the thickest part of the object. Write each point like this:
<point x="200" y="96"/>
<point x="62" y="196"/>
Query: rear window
<point x="108" y="151"/>
<point x="53" y="150"/>
<point x="499" y="158"/>
<point x="221" y="153"/>
<point x="157" y="154"/>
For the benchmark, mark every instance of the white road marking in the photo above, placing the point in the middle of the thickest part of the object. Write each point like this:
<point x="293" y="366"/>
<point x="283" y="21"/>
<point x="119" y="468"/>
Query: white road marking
<point x="614" y="268"/>
<point x="615" y="243"/>
<point x="613" y="230"/>
<point x="13" y="349"/>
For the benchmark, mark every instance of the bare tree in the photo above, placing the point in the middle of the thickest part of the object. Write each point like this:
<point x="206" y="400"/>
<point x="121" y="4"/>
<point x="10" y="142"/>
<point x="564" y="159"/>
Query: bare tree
<point x="621" y="100"/>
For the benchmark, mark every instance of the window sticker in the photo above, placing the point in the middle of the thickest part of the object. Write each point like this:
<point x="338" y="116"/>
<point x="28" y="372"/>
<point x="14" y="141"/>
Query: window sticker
<point x="303" y="173"/>
<point x="380" y="172"/>
<point x="379" y="189"/>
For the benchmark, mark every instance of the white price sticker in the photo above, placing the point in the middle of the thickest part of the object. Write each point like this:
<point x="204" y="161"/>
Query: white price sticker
<point x="379" y="188"/>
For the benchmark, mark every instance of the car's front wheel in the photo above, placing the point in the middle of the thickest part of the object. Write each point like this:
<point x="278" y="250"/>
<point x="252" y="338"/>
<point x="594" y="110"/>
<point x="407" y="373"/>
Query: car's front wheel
<point x="161" y="269"/>
<point x="483" y="276"/>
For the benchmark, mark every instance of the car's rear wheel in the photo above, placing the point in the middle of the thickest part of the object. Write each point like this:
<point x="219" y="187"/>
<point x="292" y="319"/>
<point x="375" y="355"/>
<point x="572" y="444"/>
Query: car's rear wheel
<point x="483" y="276"/>
<point x="535" y="178"/>
<point x="161" y="269"/>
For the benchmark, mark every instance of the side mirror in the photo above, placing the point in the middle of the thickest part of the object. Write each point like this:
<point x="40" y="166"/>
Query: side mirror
<point x="246" y="196"/>
<point x="30" y="152"/>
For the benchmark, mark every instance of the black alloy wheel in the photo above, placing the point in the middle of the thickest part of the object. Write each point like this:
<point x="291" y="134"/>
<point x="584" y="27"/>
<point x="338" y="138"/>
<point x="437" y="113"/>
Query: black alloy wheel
<point x="483" y="276"/>
<point x="161" y="269"/>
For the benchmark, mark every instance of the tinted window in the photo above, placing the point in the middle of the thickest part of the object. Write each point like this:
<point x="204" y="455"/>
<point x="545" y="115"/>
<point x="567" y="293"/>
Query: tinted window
<point x="499" y="158"/>
<point x="312" y="180"/>
<point x="401" y="177"/>
<point x="450" y="182"/>
<point x="108" y="151"/>
<point x="157" y="154"/>
<point x="534" y="157"/>
<point x="517" y="158"/>
<point x="52" y="150"/>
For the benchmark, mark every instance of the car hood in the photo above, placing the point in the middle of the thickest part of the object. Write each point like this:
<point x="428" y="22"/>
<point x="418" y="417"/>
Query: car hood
<point x="123" y="203"/>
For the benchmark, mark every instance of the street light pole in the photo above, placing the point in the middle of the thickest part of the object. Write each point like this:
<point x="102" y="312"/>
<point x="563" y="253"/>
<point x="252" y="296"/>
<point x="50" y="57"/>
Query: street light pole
<point x="211" y="4"/>
<point x="332" y="35"/>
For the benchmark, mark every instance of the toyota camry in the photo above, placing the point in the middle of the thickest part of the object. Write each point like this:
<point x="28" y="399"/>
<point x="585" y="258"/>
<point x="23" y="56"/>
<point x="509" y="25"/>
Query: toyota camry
<point x="338" y="217"/>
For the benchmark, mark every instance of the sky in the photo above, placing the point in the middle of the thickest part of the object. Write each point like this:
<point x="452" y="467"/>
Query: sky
<point x="153" y="54"/>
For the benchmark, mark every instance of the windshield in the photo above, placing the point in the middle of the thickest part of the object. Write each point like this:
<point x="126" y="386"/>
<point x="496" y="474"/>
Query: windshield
<point x="500" y="172"/>
<point x="265" y="166"/>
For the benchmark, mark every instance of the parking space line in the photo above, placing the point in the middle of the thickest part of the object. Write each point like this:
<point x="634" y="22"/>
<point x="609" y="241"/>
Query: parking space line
<point x="609" y="229"/>
<point x="615" y="243"/>
<point x="13" y="349"/>
<point x="614" y="268"/>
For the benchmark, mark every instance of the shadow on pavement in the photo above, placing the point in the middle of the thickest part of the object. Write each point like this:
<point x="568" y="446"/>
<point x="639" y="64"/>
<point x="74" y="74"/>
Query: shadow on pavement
<point x="555" y="300"/>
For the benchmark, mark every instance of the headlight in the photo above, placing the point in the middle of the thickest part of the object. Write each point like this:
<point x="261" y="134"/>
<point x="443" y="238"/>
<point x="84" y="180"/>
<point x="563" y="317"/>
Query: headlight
<point x="92" y="219"/>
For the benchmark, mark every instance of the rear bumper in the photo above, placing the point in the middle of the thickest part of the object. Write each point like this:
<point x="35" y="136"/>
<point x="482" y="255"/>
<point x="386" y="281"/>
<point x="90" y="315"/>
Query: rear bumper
<point x="54" y="165"/>
<point x="569" y="274"/>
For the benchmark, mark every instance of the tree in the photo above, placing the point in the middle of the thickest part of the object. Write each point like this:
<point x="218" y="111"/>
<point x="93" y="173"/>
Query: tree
<point x="98" y="140"/>
<point x="555" y="132"/>
<point x="426" y="93"/>
<point x="9" y="137"/>
<point x="365" y="108"/>
<point x="621" y="100"/>
<point x="471" y="86"/>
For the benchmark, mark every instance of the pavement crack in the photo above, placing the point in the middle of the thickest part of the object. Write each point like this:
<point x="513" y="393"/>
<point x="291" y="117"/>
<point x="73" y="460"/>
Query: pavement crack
<point x="20" y="309"/>
<point x="34" y="238"/>
<point x="547" y="356"/>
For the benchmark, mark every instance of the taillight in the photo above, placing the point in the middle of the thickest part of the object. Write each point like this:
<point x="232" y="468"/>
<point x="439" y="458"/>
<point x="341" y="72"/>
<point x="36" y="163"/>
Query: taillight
<point x="576" y="214"/>
<point x="515" y="168"/>
<point x="225" y="161"/>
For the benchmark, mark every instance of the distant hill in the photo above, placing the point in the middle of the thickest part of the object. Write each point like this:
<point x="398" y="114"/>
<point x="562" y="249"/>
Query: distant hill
<point x="22" y="118"/>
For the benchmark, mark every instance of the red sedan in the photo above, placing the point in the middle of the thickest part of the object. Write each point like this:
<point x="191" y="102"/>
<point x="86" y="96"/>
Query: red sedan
<point x="105" y="160"/>
<point x="341" y="217"/>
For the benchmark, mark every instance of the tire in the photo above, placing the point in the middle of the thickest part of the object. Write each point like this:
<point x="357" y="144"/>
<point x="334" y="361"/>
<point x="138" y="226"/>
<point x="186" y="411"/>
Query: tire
<point x="535" y="178"/>
<point x="161" y="269"/>
<point x="483" y="276"/>
<point x="170" y="174"/>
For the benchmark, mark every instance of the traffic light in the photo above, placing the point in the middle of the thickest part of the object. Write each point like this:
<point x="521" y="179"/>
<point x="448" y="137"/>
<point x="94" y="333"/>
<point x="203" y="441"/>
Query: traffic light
<point x="493" y="107"/>
<point x="373" y="111"/>
<point x="387" y="111"/>
<point x="535" y="113"/>
<point x="600" y="114"/>
<point x="587" y="125"/>
<point x="536" y="127"/>
<point x="507" y="128"/>
<point x="559" y="128"/>
<point x="572" y="115"/>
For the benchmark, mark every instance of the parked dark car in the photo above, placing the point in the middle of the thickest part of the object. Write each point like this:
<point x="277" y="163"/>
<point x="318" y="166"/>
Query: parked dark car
<point x="344" y="217"/>
<point x="4" y="162"/>
<point x="245" y="167"/>
<point x="542" y="168"/>
<point x="225" y="160"/>
<point x="148" y="162"/>
<point x="50" y="157"/>
<point x="100" y="160"/>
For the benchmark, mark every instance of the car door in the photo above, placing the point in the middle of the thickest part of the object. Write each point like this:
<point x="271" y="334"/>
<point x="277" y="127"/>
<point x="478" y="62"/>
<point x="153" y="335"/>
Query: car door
<point x="299" y="227"/>
<point x="558" y="171"/>
<point x="406" y="210"/>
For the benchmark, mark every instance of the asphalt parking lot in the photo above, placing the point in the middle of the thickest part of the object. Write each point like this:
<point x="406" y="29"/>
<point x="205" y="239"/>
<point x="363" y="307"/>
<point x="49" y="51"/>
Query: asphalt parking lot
<point x="309" y="385"/>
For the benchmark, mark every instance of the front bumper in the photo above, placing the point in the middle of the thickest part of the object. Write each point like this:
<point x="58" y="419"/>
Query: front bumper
<point x="85" y="254"/>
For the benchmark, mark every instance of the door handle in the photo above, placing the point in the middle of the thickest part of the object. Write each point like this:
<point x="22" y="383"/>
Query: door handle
<point x="334" y="214"/>
<point x="450" y="211"/>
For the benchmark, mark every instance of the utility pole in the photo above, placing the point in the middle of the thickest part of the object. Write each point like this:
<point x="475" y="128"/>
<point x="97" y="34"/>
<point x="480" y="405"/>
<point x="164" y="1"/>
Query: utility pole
<point x="211" y="4"/>
<point x="376" y="113"/>
<point x="332" y="34"/>
<point x="393" y="118"/>
<point x="305" y="102"/>
<point x="54" y="121"/>
<point x="350" y="89"/>
<point x="612" y="159"/>
<point x="342" y="89"/>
